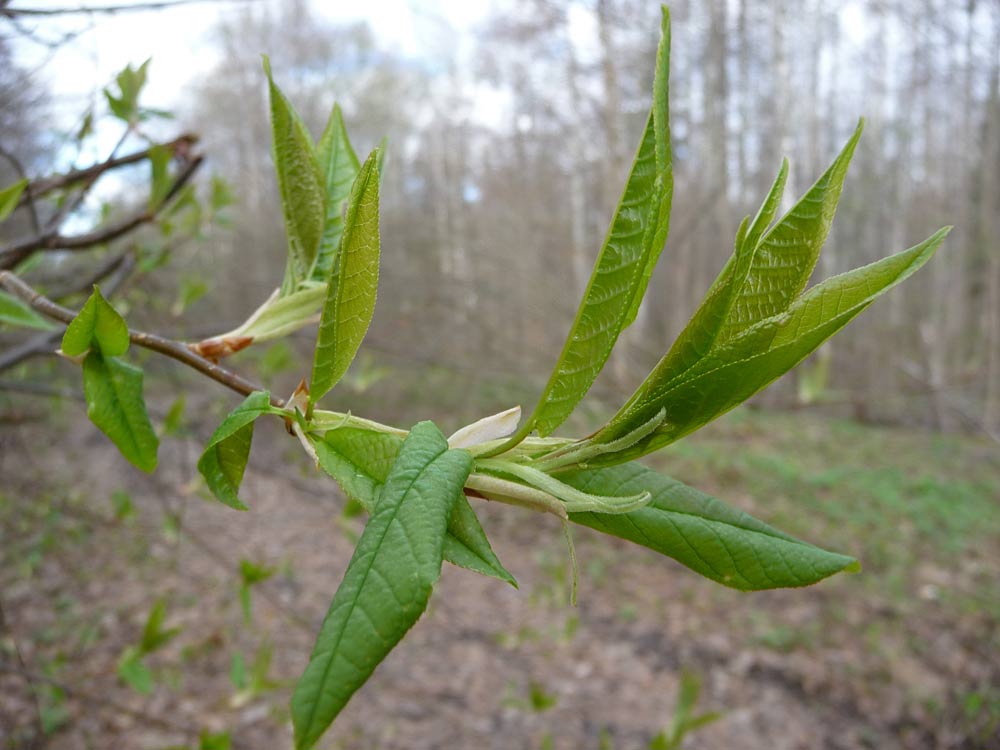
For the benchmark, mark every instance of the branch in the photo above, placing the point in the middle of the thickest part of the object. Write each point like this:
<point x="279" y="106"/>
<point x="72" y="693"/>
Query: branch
<point x="53" y="240"/>
<point x="167" y="347"/>
<point x="102" y="9"/>
<point x="26" y="197"/>
<point x="180" y="146"/>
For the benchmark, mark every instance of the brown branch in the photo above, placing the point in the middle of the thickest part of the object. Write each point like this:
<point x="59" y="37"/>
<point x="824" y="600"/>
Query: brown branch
<point x="121" y="264"/>
<point x="53" y="240"/>
<point x="43" y="343"/>
<point x="103" y="9"/>
<point x="180" y="146"/>
<point x="39" y="389"/>
<point x="168" y="347"/>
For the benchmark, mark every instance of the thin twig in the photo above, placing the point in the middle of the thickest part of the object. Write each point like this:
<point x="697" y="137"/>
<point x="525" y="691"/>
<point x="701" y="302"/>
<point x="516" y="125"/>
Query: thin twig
<point x="53" y="240"/>
<point x="103" y="9"/>
<point x="180" y="146"/>
<point x="26" y="675"/>
<point x="168" y="347"/>
<point x="39" y="389"/>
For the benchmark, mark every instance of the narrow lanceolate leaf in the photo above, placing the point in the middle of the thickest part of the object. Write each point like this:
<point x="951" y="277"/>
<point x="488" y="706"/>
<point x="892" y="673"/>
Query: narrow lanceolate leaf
<point x="699" y="531"/>
<point x="16" y="313"/>
<point x="113" y="390"/>
<point x="299" y="184"/>
<point x="388" y="581"/>
<point x="660" y="221"/>
<point x="338" y="165"/>
<point x="350" y="298"/>
<point x="10" y="196"/>
<point x="225" y="457"/>
<point x="623" y="268"/>
<point x="360" y="461"/>
<point x="97" y="326"/>
<point x="785" y="257"/>
<point x="732" y="373"/>
<point x="703" y="330"/>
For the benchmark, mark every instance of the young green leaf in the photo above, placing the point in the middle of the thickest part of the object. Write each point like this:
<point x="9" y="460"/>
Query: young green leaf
<point x="113" y="391"/>
<point x="154" y="635"/>
<point x="732" y="373"/>
<point x="159" y="163"/>
<point x="225" y="457"/>
<point x="351" y="291"/>
<point x="10" y="196"/>
<point x="623" y="268"/>
<point x="97" y="326"/>
<point x="698" y="531"/>
<point x="703" y="329"/>
<point x="388" y="581"/>
<point x="16" y="313"/>
<point x="299" y="184"/>
<point x="360" y="461"/>
<point x="785" y="257"/>
<point x="338" y="165"/>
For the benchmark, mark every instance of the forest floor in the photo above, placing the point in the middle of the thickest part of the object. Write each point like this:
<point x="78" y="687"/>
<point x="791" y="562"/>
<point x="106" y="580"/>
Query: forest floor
<point x="904" y="655"/>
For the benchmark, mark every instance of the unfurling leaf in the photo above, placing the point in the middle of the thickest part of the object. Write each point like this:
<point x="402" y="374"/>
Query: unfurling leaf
<point x="697" y="530"/>
<point x="732" y="373"/>
<point x="352" y="287"/>
<point x="388" y="581"/>
<point x="299" y="184"/>
<point x="225" y="457"/>
<point x="623" y="268"/>
<point x="113" y="390"/>
<point x="338" y="166"/>
<point x="97" y="326"/>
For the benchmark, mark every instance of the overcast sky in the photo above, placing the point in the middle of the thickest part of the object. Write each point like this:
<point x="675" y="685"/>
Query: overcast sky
<point x="177" y="39"/>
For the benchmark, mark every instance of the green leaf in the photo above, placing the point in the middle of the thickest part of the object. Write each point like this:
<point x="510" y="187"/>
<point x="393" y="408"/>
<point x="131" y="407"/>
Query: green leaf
<point x="698" y="531"/>
<point x="281" y="315"/>
<point x="113" y="390"/>
<point x="732" y="373"/>
<point x="785" y="257"/>
<point x="134" y="673"/>
<point x="388" y="581"/>
<point x="360" y="461"/>
<point x="10" y="196"/>
<point x="99" y="326"/>
<point x="125" y="104"/>
<point x="338" y="165"/>
<point x="225" y="457"/>
<point x="623" y="268"/>
<point x="299" y="184"/>
<point x="215" y="741"/>
<point x="351" y="291"/>
<point x="159" y="163"/>
<point x="154" y="635"/>
<point x="16" y="313"/>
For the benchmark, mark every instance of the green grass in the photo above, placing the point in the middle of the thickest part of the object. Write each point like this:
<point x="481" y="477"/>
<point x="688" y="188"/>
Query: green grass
<point x="897" y="499"/>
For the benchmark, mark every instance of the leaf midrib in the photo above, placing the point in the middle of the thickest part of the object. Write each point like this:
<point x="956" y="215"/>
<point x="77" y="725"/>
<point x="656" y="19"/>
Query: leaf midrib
<point x="364" y="578"/>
